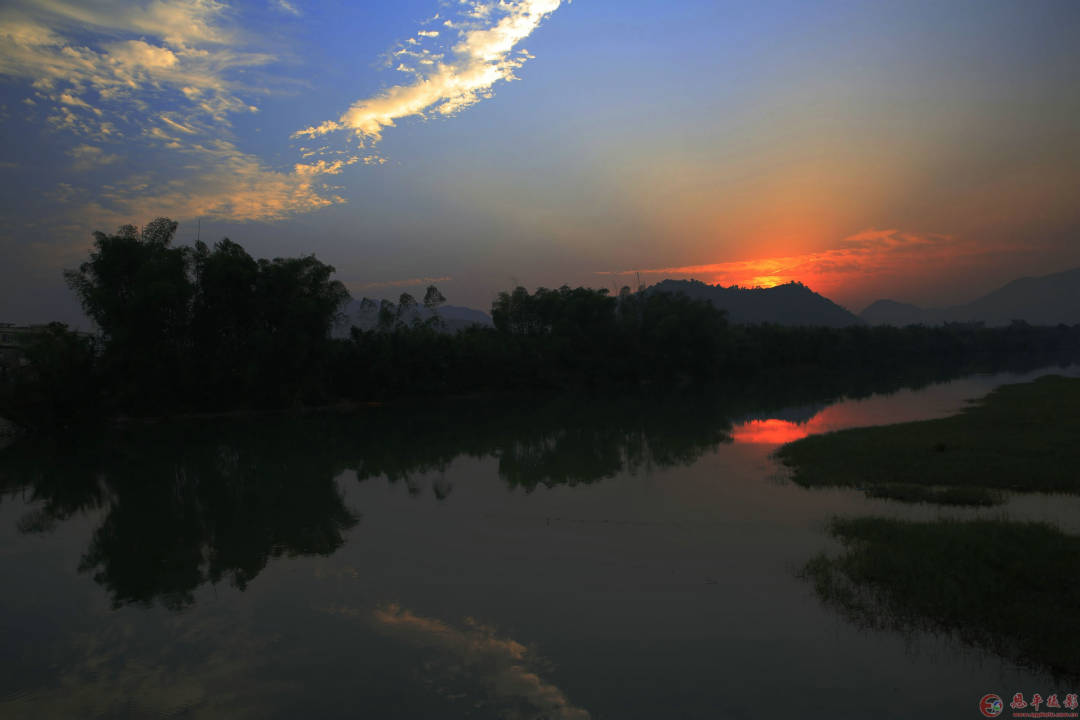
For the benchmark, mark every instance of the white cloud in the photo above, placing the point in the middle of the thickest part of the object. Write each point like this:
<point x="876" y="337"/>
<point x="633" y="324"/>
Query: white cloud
<point x="178" y="22"/>
<point x="69" y="99"/>
<point x="90" y="156"/>
<point x="482" y="56"/>
<point x="287" y="7"/>
<point x="221" y="182"/>
<point x="187" y="61"/>
<point x="135" y="55"/>
<point x="322" y="167"/>
<point x="164" y="78"/>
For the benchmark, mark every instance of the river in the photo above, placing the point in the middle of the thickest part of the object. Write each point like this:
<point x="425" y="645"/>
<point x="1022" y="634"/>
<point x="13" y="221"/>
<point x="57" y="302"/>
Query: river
<point x="531" y="558"/>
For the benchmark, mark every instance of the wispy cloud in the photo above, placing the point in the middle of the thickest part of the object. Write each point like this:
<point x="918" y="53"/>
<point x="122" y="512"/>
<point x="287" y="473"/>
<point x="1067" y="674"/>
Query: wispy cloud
<point x="160" y="83"/>
<point x="162" y="79"/>
<point x="323" y="167"/>
<point x="90" y="156"/>
<point x="475" y="655"/>
<point x="286" y="7"/>
<point x="223" y="183"/>
<point x="177" y="47"/>
<point x="179" y="22"/>
<point x="448" y="79"/>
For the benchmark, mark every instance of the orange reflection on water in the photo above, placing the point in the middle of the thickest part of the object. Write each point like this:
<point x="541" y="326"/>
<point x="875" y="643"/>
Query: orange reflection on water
<point x="850" y="413"/>
<point x="770" y="431"/>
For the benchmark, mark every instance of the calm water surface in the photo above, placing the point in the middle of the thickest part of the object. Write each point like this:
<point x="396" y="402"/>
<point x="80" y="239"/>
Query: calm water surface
<point x="532" y="559"/>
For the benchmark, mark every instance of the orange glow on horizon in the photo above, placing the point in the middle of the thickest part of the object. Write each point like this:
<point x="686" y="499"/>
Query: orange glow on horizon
<point x="862" y="260"/>
<point x="768" y="281"/>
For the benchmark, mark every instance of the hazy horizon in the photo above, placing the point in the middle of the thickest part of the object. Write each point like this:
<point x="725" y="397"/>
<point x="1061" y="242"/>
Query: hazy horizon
<point x="921" y="153"/>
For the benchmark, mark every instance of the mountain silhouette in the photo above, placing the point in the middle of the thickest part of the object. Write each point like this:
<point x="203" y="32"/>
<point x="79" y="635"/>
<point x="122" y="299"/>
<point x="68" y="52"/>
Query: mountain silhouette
<point x="789" y="304"/>
<point x="1046" y="300"/>
<point x="366" y="317"/>
<point x="891" y="312"/>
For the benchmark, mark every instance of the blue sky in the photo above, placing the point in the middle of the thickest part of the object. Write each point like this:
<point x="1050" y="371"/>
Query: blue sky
<point x="924" y="151"/>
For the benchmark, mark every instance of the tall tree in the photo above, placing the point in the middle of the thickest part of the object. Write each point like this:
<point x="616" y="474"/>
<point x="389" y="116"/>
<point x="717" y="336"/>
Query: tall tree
<point x="406" y="312"/>
<point x="138" y="290"/>
<point x="224" y="316"/>
<point x="433" y="299"/>
<point x="298" y="303"/>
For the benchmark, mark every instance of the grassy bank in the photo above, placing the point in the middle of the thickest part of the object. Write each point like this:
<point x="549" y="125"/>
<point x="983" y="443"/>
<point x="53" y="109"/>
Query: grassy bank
<point x="1019" y="438"/>
<point x="1005" y="586"/>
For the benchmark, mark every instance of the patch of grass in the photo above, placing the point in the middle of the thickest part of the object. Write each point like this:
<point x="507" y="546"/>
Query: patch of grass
<point x="940" y="496"/>
<point x="1008" y="587"/>
<point x="1019" y="437"/>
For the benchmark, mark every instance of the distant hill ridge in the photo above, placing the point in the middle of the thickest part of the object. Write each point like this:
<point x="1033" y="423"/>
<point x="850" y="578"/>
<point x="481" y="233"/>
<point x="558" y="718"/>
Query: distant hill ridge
<point x="1046" y="300"/>
<point x="454" y="317"/>
<point x="789" y="304"/>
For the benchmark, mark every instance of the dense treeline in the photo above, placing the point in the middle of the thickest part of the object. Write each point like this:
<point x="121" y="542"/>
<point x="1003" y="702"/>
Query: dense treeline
<point x="203" y="327"/>
<point x="186" y="329"/>
<point x="573" y="338"/>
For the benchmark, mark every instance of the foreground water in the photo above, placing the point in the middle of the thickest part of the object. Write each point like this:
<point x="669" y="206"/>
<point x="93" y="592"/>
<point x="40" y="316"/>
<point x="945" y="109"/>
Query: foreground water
<point x="527" y="559"/>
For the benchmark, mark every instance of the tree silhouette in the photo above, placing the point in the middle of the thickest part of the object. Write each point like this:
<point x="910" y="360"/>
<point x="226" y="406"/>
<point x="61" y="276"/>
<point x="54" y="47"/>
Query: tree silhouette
<point x="137" y="288"/>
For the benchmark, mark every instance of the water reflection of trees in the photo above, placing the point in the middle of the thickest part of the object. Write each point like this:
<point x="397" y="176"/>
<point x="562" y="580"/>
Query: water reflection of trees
<point x="185" y="503"/>
<point x="560" y="441"/>
<point x="191" y="502"/>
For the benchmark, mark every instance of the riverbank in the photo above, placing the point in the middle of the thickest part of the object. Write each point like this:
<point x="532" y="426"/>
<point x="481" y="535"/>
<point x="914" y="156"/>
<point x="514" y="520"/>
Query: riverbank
<point x="1004" y="586"/>
<point x="1019" y="438"/>
<point x="997" y="584"/>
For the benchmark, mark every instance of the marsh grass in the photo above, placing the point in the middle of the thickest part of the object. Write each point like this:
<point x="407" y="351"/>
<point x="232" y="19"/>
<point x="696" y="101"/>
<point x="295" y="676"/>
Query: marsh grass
<point x="1020" y="438"/>
<point x="1008" y="587"/>
<point x="904" y="492"/>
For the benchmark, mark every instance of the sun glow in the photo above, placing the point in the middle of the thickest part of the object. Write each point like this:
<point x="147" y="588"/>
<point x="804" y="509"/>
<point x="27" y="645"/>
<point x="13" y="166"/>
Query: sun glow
<point x="861" y="260"/>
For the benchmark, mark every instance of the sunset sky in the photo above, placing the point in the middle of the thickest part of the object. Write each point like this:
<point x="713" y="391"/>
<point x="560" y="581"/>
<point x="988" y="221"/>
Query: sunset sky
<point x="923" y="151"/>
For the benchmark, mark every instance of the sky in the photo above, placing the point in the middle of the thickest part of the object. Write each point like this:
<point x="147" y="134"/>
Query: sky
<point x="926" y="152"/>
